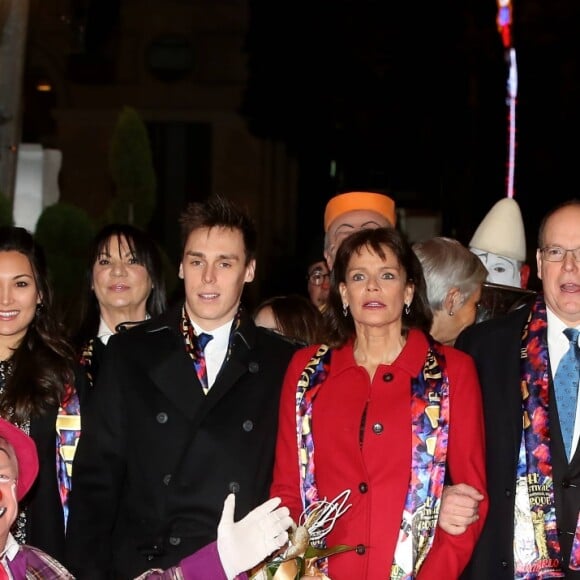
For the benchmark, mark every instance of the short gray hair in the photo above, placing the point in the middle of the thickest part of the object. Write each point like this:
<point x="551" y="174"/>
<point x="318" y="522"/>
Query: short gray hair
<point x="449" y="264"/>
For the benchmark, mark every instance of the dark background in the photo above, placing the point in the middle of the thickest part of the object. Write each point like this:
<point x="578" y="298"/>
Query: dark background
<point x="408" y="98"/>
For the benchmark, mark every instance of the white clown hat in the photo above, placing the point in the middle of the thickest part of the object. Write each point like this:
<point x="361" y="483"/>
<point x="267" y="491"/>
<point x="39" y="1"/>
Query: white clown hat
<point x="502" y="231"/>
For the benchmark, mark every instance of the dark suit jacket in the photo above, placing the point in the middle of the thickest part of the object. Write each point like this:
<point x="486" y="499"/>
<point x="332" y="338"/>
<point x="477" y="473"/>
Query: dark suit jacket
<point x="157" y="457"/>
<point x="495" y="346"/>
<point x="44" y="514"/>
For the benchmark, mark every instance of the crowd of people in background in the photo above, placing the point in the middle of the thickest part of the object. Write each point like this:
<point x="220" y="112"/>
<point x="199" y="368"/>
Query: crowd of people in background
<point x="188" y="439"/>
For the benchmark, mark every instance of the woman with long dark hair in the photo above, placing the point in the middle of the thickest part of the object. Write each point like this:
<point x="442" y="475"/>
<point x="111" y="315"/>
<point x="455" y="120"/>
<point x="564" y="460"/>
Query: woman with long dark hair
<point x="37" y="386"/>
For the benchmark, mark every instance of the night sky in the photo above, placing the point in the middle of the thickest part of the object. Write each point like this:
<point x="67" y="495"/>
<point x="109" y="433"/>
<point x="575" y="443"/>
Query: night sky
<point x="409" y="98"/>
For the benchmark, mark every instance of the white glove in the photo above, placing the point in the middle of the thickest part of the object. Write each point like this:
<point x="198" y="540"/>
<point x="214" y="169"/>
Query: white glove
<point x="241" y="545"/>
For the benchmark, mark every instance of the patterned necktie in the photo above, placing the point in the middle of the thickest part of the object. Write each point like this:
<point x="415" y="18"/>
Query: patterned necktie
<point x="566" y="387"/>
<point x="199" y="362"/>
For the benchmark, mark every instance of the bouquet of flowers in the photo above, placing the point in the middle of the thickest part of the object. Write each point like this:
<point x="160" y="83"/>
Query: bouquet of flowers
<point x="306" y="544"/>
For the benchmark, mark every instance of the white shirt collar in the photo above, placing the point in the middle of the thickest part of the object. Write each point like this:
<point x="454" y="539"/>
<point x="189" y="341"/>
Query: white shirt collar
<point x="558" y="344"/>
<point x="11" y="548"/>
<point x="104" y="332"/>
<point x="555" y="329"/>
<point x="221" y="334"/>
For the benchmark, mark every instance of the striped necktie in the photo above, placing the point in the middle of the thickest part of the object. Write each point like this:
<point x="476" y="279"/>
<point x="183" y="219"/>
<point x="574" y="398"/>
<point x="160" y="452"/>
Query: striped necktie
<point x="199" y="362"/>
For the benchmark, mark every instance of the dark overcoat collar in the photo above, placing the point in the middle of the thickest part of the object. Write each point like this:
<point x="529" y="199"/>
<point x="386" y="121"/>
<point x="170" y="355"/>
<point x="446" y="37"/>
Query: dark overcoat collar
<point x="173" y="372"/>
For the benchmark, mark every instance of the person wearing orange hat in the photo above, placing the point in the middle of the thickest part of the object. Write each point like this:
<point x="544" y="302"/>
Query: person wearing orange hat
<point x="240" y="545"/>
<point x="349" y="212"/>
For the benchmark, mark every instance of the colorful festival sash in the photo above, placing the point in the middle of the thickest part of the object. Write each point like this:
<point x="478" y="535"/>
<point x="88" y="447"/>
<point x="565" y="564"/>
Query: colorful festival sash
<point x="86" y="360"/>
<point x="191" y="342"/>
<point x="68" y="432"/>
<point x="430" y="423"/>
<point x="536" y="545"/>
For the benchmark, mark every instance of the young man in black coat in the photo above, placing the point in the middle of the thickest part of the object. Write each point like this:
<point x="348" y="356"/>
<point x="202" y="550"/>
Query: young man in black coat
<point x="172" y="427"/>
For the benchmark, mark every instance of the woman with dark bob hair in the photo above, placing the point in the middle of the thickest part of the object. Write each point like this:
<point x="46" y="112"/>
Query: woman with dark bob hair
<point x="292" y="316"/>
<point x="124" y="286"/>
<point x="385" y="411"/>
<point x="37" y="387"/>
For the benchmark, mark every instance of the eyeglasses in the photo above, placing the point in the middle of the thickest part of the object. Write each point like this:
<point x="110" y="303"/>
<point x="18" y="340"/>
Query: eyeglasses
<point x="6" y="479"/>
<point x="317" y="278"/>
<point x="557" y="254"/>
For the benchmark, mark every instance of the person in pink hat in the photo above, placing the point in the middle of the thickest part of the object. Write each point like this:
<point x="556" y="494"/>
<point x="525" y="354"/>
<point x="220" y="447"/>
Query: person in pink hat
<point x="239" y="546"/>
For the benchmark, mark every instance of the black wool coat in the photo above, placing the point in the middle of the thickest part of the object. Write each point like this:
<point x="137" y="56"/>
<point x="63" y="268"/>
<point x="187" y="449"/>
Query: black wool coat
<point x="157" y="457"/>
<point x="495" y="345"/>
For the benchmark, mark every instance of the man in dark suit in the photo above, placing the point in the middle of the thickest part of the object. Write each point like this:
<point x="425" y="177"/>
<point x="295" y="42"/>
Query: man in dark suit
<point x="172" y="427"/>
<point x="533" y="482"/>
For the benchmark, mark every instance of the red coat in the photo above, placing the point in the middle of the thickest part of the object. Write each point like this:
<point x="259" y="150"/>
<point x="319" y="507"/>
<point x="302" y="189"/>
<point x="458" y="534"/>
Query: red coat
<point x="377" y="471"/>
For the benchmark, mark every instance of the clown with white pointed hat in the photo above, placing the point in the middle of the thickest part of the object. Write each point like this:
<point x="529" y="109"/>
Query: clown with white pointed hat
<point x="500" y="243"/>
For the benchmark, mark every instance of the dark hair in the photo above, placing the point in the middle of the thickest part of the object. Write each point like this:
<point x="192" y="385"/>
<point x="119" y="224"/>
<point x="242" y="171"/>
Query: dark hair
<point x="340" y="327"/>
<point x="296" y="317"/>
<point x="568" y="203"/>
<point x="144" y="249"/>
<point x="43" y="362"/>
<point x="218" y="212"/>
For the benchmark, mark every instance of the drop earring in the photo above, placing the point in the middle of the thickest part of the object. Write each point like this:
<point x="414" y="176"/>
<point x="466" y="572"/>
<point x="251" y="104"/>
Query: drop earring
<point x="345" y="310"/>
<point x="407" y="309"/>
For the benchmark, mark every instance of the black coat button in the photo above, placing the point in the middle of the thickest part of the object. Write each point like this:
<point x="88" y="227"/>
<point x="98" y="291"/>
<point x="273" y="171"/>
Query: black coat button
<point x="388" y="377"/>
<point x="508" y="492"/>
<point x="167" y="479"/>
<point x="504" y="564"/>
<point x="234" y="486"/>
<point x="363" y="487"/>
<point x="247" y="425"/>
<point x="174" y="541"/>
<point x="360" y="549"/>
<point x="162" y="418"/>
<point x="254" y="367"/>
<point x="377" y="428"/>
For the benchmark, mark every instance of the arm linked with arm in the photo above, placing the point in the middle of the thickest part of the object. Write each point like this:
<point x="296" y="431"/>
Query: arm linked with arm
<point x="466" y="464"/>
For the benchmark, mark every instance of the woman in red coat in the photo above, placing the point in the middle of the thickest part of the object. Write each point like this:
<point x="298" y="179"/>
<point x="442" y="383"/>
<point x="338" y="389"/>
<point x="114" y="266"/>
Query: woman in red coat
<point x="386" y="412"/>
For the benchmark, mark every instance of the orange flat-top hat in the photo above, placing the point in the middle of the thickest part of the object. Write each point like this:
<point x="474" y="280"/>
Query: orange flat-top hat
<point x="26" y="455"/>
<point x="359" y="200"/>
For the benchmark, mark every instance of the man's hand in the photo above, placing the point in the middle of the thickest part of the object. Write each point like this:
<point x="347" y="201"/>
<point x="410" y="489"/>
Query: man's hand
<point x="459" y="508"/>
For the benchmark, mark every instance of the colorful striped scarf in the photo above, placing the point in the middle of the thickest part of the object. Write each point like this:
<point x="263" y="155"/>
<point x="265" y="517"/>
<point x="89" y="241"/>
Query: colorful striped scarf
<point x="190" y="338"/>
<point x="544" y="559"/>
<point x="430" y="423"/>
<point x="68" y="432"/>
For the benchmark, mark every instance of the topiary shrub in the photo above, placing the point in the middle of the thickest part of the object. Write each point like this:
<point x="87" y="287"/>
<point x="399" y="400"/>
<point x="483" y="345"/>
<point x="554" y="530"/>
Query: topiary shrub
<point x="131" y="167"/>
<point x="6" y="211"/>
<point x="65" y="232"/>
